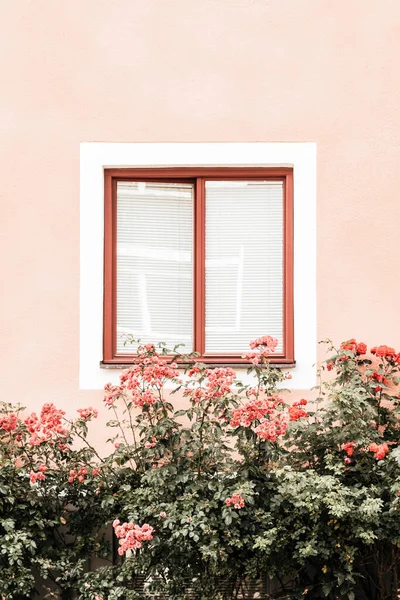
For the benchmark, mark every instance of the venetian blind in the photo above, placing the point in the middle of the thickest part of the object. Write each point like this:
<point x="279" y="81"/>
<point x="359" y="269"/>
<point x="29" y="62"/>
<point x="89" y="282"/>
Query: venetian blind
<point x="244" y="264"/>
<point x="154" y="264"/>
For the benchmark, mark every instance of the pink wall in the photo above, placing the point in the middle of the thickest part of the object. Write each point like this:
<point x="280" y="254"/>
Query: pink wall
<point x="190" y="70"/>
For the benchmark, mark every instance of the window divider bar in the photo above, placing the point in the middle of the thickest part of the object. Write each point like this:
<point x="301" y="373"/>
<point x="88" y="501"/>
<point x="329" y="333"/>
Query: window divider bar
<point x="109" y="271"/>
<point x="114" y="264"/>
<point x="199" y="267"/>
<point x="288" y="249"/>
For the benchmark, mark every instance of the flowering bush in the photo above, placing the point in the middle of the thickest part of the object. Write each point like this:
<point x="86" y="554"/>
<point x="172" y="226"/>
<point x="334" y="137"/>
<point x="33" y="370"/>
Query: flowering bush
<point x="352" y="439"/>
<point x="239" y="487"/>
<point x="48" y="527"/>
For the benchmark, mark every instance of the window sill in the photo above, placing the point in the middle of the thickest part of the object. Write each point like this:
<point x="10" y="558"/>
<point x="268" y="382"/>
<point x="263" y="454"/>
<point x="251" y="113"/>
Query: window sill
<point x="104" y="365"/>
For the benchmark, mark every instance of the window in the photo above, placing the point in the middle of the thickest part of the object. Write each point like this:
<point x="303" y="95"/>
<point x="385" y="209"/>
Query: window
<point x="200" y="256"/>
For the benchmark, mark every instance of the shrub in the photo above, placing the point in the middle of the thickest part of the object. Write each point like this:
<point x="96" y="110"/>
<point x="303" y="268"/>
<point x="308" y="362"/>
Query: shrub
<point x="50" y="522"/>
<point x="239" y="487"/>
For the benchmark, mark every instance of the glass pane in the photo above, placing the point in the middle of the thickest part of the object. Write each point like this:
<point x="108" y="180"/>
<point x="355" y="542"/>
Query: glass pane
<point x="244" y="264"/>
<point x="154" y="264"/>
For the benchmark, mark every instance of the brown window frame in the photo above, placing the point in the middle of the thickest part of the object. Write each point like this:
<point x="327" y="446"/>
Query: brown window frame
<point x="198" y="176"/>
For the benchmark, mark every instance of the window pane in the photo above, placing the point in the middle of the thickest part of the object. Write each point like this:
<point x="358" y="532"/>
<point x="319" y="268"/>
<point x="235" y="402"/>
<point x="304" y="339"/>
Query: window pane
<point x="244" y="264"/>
<point x="154" y="263"/>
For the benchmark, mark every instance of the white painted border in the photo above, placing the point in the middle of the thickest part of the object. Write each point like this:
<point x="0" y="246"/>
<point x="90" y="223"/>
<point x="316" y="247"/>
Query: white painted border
<point x="95" y="156"/>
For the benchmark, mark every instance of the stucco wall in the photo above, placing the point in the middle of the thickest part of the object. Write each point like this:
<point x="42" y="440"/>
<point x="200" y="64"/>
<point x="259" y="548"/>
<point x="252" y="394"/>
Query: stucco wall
<point x="76" y="71"/>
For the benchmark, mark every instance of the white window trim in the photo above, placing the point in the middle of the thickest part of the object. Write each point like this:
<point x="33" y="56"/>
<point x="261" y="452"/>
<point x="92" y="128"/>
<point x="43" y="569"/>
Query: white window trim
<point x="96" y="156"/>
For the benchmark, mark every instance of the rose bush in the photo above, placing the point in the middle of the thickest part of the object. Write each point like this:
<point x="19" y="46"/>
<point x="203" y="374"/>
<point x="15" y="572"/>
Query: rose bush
<point x="241" y="492"/>
<point x="48" y="527"/>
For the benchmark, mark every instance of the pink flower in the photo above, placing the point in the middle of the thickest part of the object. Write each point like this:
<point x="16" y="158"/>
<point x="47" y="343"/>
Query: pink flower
<point x="267" y="341"/>
<point x="151" y="444"/>
<point x="295" y="412"/>
<point x="112" y="393"/>
<point x="361" y="348"/>
<point x="140" y="385"/>
<point x="272" y="428"/>
<point x="198" y="395"/>
<point x="9" y="422"/>
<point x="264" y="415"/>
<point x="79" y="475"/>
<point x="349" y="448"/>
<point x="218" y="382"/>
<point x="379" y="450"/>
<point x="86" y="414"/>
<point x="254" y="410"/>
<point x="263" y="346"/>
<point x="194" y="371"/>
<point x="349" y="345"/>
<point x="47" y="427"/>
<point x="163" y="515"/>
<point x="383" y="351"/>
<point x="131" y="536"/>
<point x="34" y="477"/>
<point x="236" y="501"/>
<point x="252" y="357"/>
<point x="353" y="346"/>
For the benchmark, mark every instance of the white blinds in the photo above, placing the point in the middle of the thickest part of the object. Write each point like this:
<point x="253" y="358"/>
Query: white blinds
<point x="154" y="263"/>
<point x="244" y="264"/>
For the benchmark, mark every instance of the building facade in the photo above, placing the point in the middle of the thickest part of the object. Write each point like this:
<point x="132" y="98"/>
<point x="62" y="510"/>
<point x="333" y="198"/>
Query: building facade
<point x="305" y="89"/>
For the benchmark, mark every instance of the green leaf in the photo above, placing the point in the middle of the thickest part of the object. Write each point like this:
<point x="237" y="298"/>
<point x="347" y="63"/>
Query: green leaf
<point x="180" y="413"/>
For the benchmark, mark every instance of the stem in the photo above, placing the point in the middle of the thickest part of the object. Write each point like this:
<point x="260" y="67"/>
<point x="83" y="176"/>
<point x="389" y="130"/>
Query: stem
<point x="379" y="407"/>
<point x="205" y="411"/>
<point x="123" y="433"/>
<point x="76" y="432"/>
<point x="131" y="424"/>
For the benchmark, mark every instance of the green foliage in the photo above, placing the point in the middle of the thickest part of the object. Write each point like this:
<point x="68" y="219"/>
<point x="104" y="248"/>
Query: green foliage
<point x="48" y="528"/>
<point x="237" y="488"/>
